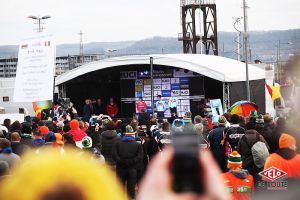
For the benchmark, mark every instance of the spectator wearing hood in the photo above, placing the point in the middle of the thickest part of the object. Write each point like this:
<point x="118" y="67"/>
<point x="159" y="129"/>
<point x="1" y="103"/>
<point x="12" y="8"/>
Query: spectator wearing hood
<point x="286" y="157"/>
<point x="238" y="182"/>
<point x="17" y="147"/>
<point x="128" y="154"/>
<point x="245" y="145"/>
<point x="26" y="134"/>
<point x="108" y="139"/>
<point x="75" y="131"/>
<point x="6" y="153"/>
<point x="215" y="139"/>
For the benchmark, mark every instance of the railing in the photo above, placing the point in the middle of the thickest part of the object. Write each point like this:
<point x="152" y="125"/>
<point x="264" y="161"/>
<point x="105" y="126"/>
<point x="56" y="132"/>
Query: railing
<point x="196" y="2"/>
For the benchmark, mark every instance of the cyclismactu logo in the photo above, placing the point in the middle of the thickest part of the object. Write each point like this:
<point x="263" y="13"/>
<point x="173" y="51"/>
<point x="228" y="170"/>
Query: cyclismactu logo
<point x="273" y="174"/>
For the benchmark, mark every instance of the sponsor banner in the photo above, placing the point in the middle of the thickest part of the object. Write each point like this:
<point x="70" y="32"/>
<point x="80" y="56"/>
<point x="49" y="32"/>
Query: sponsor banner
<point x="185" y="102"/>
<point x="139" y="94"/>
<point x="156" y="87"/>
<point x="147" y="93"/>
<point x="165" y="81"/>
<point x="166" y="93"/>
<point x="185" y="108"/>
<point x="175" y="87"/>
<point x="139" y="82"/>
<point x="184" y="80"/>
<point x="184" y="86"/>
<point x="147" y="87"/>
<point x="138" y="88"/>
<point x="216" y="107"/>
<point x="148" y="103"/>
<point x="149" y="109"/>
<point x="175" y="81"/>
<point x="147" y="81"/>
<point x="157" y="92"/>
<point x="166" y="87"/>
<point x="35" y="71"/>
<point x="157" y="81"/>
<point x="176" y="92"/>
<point x="128" y="75"/>
<point x="184" y="92"/>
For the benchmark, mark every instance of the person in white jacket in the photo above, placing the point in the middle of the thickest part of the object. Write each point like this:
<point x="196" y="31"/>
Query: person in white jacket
<point x="173" y="102"/>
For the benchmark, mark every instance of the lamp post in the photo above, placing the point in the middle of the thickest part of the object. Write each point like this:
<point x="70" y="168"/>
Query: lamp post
<point x="39" y="21"/>
<point x="246" y="48"/>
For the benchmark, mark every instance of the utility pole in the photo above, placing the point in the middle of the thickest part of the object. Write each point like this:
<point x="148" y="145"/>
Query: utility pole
<point x="81" y="47"/>
<point x="246" y="48"/>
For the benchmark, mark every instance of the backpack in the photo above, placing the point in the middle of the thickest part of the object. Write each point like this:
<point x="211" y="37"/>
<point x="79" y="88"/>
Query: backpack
<point x="259" y="152"/>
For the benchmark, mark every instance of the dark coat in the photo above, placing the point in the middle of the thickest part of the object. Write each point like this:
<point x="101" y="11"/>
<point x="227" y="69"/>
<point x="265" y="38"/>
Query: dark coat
<point x="215" y="138"/>
<point x="128" y="154"/>
<point x="271" y="136"/>
<point x="19" y="148"/>
<point x="108" y="139"/>
<point x="245" y="145"/>
<point x="88" y="110"/>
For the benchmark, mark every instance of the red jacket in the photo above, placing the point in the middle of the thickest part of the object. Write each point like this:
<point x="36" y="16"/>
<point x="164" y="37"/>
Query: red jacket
<point x="77" y="134"/>
<point x="141" y="105"/>
<point x="112" y="109"/>
<point x="240" y="188"/>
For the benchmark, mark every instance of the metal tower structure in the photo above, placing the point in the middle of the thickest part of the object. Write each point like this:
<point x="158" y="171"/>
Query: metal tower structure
<point x="237" y="39"/>
<point x="189" y="35"/>
<point x="81" y="47"/>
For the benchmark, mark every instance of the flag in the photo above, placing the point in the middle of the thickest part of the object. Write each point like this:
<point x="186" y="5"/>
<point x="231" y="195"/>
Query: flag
<point x="38" y="106"/>
<point x="274" y="91"/>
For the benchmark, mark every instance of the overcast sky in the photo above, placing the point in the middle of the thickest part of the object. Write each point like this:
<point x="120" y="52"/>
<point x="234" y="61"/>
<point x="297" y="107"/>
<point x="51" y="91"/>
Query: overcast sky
<point x="118" y="20"/>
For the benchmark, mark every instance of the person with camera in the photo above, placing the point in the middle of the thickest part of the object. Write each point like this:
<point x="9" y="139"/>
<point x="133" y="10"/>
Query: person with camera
<point x="159" y="179"/>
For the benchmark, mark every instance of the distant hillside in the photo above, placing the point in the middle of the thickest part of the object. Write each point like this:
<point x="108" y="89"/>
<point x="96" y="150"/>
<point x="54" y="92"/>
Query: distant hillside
<point x="263" y="45"/>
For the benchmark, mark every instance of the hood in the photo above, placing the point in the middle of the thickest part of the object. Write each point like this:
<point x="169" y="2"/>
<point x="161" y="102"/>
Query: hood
<point x="109" y="134"/>
<point x="242" y="174"/>
<point x="286" y="153"/>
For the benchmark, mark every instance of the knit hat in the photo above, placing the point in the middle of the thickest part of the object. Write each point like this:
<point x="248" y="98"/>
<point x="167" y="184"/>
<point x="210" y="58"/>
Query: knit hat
<point x="44" y="130"/>
<point x="222" y="120"/>
<point x="129" y="130"/>
<point x="234" y="160"/>
<point x="187" y="117"/>
<point x="253" y="113"/>
<point x="153" y="128"/>
<point x="86" y="142"/>
<point x="74" y="124"/>
<point x="260" y="120"/>
<point x="286" y="141"/>
<point x="59" y="139"/>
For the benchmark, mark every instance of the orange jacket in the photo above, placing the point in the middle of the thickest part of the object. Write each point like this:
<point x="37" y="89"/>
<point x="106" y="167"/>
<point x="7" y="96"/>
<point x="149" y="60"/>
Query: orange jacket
<point x="241" y="189"/>
<point x="291" y="167"/>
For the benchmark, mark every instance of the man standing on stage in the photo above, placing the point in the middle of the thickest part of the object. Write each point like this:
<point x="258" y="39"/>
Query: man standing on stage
<point x="160" y="107"/>
<point x="140" y="105"/>
<point x="173" y="102"/>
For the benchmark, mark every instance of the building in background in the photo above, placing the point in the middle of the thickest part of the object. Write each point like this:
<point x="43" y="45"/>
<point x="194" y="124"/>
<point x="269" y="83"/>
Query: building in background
<point x="8" y="66"/>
